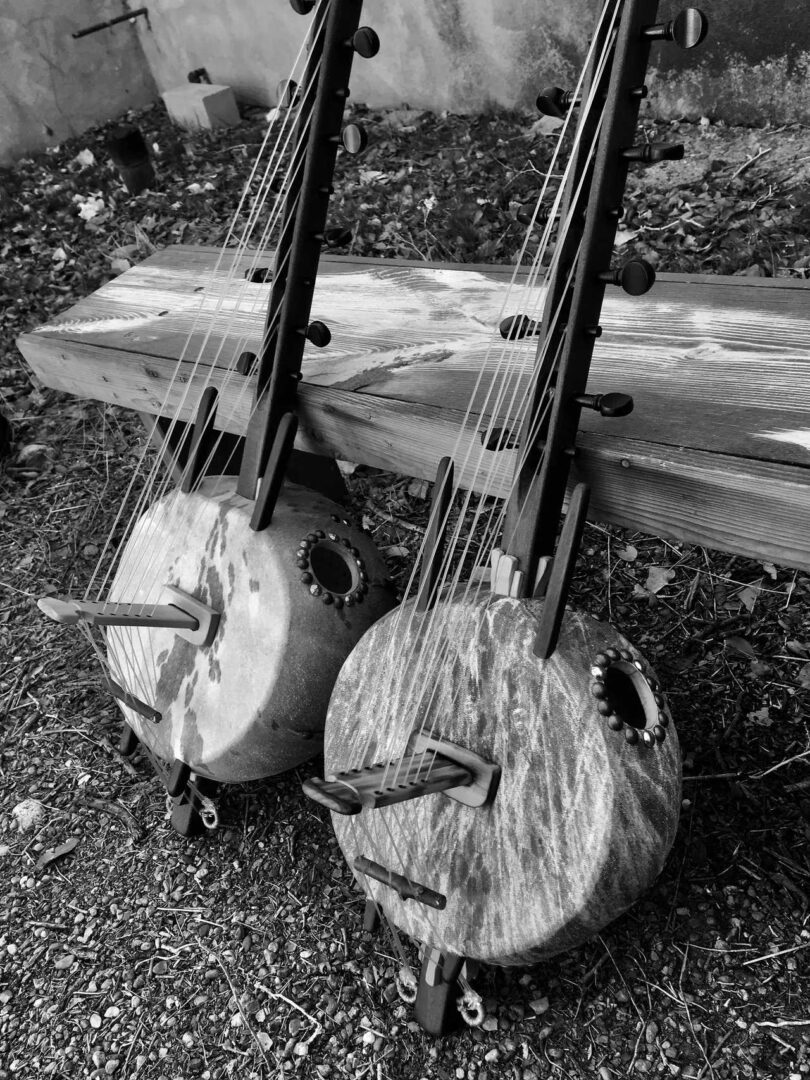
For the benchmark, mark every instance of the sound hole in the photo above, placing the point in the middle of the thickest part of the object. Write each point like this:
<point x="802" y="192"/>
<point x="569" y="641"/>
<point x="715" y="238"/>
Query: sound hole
<point x="630" y="696"/>
<point x="333" y="568"/>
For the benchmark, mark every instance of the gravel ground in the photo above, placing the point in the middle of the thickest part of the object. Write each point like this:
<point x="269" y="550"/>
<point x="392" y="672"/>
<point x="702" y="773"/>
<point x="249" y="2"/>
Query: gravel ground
<point x="128" y="951"/>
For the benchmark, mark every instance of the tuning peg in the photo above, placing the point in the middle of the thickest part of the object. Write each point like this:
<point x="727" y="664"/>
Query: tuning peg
<point x="286" y="93"/>
<point x="687" y="30"/>
<point x="606" y="404"/>
<point x="554" y="101"/>
<point x="499" y="438"/>
<point x="337" y="236"/>
<point x="246" y="362"/>
<point x="518" y="326"/>
<point x="302" y="7"/>
<point x="650" y="153"/>
<point x="635" y="277"/>
<point x="318" y="333"/>
<point x="354" y="139"/>
<point x="258" y="275"/>
<point x="365" y="42"/>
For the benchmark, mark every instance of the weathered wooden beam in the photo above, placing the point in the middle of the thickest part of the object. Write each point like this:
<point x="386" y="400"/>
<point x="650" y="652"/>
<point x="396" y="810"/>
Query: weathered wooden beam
<point x="717" y="450"/>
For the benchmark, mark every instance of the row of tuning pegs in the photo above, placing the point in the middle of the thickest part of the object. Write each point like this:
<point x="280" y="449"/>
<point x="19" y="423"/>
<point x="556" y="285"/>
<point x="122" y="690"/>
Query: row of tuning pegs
<point x="687" y="30"/>
<point x="317" y="333"/>
<point x="364" y="41"/>
<point x="636" y="278"/>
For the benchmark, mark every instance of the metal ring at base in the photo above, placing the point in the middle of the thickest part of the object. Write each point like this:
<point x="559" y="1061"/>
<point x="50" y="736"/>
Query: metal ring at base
<point x="471" y="1007"/>
<point x="407" y="985"/>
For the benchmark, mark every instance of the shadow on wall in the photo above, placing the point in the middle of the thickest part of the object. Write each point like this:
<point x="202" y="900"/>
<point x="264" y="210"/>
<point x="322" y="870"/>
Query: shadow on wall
<point x="771" y="91"/>
<point x="52" y="86"/>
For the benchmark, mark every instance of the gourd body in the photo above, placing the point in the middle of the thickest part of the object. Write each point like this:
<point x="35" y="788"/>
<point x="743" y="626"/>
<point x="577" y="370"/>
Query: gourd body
<point x="293" y="601"/>
<point x="582" y="821"/>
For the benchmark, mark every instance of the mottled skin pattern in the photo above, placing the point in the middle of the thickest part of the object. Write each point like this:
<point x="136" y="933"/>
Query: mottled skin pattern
<point x="582" y="822"/>
<point x="253" y="703"/>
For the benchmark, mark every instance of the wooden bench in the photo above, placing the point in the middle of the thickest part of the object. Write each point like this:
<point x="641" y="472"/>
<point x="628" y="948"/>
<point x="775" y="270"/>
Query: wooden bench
<point x="717" y="451"/>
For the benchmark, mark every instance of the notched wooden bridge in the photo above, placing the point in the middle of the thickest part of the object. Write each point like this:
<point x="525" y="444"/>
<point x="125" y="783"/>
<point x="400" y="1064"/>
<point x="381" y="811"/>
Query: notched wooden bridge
<point x="716" y="452"/>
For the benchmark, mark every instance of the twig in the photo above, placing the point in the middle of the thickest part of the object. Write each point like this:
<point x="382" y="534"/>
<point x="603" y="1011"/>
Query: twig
<point x="781" y="764"/>
<point x="235" y="996"/>
<point x="397" y="521"/>
<point x="747" y="164"/>
<point x="281" y="997"/>
<point x="116" y="810"/>
<point x="781" y="952"/>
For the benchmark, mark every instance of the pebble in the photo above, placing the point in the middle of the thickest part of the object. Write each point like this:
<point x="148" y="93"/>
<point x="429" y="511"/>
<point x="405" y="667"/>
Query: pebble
<point x="64" y="962"/>
<point x="539" y="1006"/>
<point x="28" y="814"/>
<point x="95" y="1020"/>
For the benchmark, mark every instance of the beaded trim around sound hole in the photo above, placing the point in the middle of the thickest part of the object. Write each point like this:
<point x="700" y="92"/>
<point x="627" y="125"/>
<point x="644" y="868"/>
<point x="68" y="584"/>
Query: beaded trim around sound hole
<point x="333" y="569"/>
<point x="629" y="697"/>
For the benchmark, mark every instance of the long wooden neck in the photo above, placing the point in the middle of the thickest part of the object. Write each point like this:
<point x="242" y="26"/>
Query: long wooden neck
<point x="571" y="315"/>
<point x="325" y="90"/>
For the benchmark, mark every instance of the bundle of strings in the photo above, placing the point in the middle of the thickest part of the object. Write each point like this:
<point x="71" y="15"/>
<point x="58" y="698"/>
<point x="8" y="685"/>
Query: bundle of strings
<point x="211" y="351"/>
<point x="407" y="696"/>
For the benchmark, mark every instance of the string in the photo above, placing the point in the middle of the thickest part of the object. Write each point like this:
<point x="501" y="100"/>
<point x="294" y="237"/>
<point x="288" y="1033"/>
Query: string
<point x="494" y="519"/>
<point x="434" y="641"/>
<point x="134" y="657"/>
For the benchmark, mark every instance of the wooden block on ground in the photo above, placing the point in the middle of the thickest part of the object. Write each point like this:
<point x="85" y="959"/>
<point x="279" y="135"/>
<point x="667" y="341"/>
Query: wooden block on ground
<point x="202" y="105"/>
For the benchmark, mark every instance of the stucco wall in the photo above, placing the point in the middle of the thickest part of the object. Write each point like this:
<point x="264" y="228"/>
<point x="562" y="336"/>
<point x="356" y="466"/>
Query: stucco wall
<point x="466" y="54"/>
<point x="52" y="86"/>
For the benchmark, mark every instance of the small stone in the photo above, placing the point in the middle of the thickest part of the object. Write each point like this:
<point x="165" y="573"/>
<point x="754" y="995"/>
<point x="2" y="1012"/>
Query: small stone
<point x="490" y="1023"/>
<point x="34" y="456"/>
<point x="28" y="814"/>
<point x="64" y="962"/>
<point x="112" y="1012"/>
<point x="111" y="1066"/>
<point x="11" y="949"/>
<point x="160" y="968"/>
<point x="651" y="1033"/>
<point x="539" y="1006"/>
<point x="492" y="1055"/>
<point x="301" y="1049"/>
<point x="95" y="1020"/>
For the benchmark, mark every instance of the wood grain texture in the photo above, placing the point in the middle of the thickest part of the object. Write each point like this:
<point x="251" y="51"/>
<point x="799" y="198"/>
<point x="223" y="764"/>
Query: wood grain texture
<point x="582" y="821"/>
<point x="719" y="369"/>
<point x="254" y="702"/>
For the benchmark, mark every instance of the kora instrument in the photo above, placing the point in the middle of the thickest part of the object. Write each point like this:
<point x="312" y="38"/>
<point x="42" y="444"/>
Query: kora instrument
<point x="502" y="771"/>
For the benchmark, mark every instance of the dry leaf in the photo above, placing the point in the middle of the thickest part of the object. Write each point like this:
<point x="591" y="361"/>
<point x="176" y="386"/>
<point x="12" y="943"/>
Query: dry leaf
<point x="629" y="553"/>
<point x="658" y="578"/>
<point x="761" y="716"/>
<point x="740" y="645"/>
<point x="748" y="596"/>
<point x="51" y="855"/>
<point x="804" y="677"/>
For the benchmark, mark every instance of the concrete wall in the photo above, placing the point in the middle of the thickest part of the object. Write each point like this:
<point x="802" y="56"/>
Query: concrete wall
<point x="464" y="55"/>
<point x="52" y="86"/>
